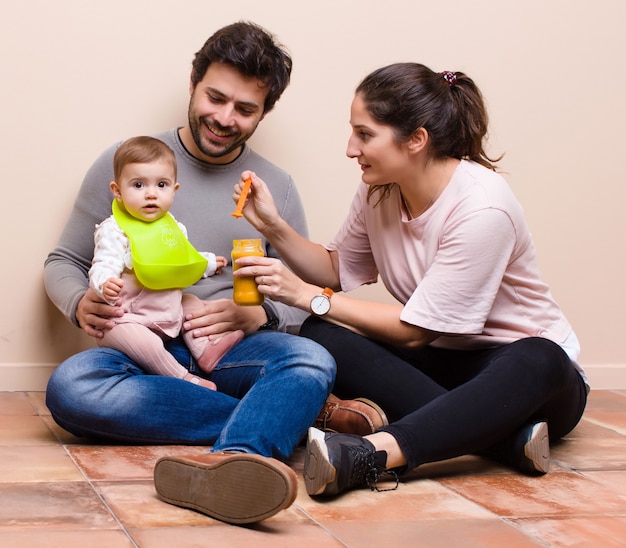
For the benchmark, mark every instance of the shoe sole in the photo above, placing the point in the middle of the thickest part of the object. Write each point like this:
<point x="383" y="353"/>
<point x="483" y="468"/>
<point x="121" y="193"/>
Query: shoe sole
<point x="537" y="449"/>
<point x="318" y="471"/>
<point x="243" y="489"/>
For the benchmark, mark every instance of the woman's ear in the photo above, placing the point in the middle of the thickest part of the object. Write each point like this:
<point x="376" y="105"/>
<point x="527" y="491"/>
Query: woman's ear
<point x="418" y="140"/>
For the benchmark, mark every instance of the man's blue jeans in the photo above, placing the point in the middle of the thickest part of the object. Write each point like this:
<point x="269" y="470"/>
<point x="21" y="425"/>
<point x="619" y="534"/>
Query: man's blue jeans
<point x="271" y="386"/>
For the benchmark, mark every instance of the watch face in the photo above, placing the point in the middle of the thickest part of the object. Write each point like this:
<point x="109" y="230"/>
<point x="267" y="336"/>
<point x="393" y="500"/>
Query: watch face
<point x="320" y="304"/>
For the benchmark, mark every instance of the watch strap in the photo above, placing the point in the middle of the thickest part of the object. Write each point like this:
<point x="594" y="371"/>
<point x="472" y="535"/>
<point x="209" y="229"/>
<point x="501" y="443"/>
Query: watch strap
<point x="328" y="292"/>
<point x="272" y="320"/>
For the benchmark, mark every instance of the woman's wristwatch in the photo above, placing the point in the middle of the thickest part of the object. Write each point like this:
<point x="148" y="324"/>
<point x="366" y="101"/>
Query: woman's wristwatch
<point x="320" y="304"/>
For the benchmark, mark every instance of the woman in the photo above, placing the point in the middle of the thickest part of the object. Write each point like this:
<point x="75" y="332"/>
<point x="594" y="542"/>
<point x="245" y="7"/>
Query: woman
<point x="477" y="357"/>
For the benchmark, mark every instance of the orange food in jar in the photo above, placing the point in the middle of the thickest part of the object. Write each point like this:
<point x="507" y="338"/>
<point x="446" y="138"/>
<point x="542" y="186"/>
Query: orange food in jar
<point x="245" y="290"/>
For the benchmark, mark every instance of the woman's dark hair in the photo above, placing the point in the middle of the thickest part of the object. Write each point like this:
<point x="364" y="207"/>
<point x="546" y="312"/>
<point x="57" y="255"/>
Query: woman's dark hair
<point x="252" y="51"/>
<point x="448" y="105"/>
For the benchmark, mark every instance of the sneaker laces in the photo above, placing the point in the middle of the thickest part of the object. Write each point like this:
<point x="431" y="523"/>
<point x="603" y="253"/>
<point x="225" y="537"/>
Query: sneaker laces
<point x="376" y="475"/>
<point x="365" y="470"/>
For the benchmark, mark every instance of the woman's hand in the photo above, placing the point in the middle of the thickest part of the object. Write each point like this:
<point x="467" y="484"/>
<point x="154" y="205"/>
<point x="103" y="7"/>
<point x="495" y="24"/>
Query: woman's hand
<point x="275" y="280"/>
<point x="259" y="209"/>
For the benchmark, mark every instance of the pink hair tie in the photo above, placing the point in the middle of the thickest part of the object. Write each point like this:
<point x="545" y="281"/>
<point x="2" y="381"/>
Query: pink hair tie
<point x="449" y="77"/>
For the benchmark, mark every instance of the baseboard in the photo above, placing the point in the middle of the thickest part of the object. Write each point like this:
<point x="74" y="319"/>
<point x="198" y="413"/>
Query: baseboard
<point x="607" y="376"/>
<point x="26" y="377"/>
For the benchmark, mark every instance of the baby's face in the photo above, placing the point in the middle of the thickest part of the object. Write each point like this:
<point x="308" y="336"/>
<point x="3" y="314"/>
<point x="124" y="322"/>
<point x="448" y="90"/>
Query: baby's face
<point x="147" y="190"/>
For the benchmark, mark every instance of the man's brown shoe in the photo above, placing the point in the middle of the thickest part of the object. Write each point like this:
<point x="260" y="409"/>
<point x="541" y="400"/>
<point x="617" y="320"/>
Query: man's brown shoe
<point x="232" y="487"/>
<point x="359" y="416"/>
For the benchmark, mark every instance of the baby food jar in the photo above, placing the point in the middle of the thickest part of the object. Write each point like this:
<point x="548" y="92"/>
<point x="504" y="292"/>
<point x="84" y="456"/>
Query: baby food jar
<point x="245" y="290"/>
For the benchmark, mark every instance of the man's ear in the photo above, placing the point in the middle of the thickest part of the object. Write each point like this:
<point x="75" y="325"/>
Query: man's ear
<point x="418" y="140"/>
<point x="192" y="86"/>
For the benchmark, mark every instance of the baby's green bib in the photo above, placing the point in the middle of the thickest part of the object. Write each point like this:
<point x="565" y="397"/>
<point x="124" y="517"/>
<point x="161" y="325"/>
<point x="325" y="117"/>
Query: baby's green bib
<point x="163" y="258"/>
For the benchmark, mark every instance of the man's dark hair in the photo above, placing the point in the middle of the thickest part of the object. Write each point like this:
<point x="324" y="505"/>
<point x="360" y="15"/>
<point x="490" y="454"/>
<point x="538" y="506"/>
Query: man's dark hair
<point x="252" y="51"/>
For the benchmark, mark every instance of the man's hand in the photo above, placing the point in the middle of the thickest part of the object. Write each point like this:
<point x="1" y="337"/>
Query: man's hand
<point x="214" y="318"/>
<point x="94" y="315"/>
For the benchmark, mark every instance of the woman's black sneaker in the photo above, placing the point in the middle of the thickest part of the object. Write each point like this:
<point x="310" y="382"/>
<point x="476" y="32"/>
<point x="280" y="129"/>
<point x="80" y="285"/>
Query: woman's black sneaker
<point x="335" y="463"/>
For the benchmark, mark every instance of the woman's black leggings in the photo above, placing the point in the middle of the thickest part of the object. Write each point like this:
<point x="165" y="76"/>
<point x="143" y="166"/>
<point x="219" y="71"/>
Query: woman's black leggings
<point x="446" y="403"/>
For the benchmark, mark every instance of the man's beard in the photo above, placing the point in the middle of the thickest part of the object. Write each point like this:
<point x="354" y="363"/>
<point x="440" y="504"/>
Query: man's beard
<point x="210" y="148"/>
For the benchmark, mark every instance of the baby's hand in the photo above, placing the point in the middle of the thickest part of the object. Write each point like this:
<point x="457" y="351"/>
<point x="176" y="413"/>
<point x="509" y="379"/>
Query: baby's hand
<point x="111" y="289"/>
<point x="221" y="262"/>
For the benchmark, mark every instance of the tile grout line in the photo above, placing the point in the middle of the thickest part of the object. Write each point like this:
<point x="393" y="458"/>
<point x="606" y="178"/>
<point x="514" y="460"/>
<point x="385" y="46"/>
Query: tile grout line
<point x="87" y="478"/>
<point x="320" y="525"/>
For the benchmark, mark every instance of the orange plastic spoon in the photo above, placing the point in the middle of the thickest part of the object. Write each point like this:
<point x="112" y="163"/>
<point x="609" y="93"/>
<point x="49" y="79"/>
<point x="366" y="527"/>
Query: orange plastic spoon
<point x="244" y="194"/>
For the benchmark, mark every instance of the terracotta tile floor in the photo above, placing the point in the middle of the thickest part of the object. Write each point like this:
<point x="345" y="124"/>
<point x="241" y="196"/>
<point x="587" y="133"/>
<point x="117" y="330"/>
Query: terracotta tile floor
<point x="57" y="490"/>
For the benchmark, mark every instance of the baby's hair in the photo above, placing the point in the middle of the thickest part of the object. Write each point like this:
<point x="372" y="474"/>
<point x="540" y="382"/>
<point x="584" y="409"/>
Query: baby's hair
<point x="141" y="150"/>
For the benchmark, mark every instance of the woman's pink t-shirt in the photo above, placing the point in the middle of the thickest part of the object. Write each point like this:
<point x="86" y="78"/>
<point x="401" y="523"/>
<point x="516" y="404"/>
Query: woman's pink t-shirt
<point x="466" y="267"/>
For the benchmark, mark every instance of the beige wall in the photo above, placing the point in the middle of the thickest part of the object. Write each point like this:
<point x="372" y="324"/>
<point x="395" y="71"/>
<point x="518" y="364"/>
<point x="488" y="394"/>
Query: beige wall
<point x="78" y="75"/>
